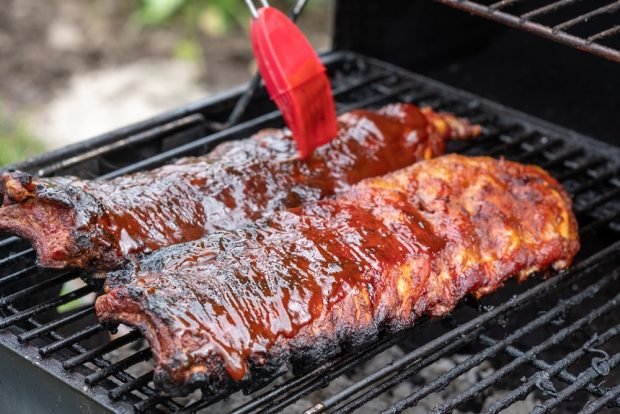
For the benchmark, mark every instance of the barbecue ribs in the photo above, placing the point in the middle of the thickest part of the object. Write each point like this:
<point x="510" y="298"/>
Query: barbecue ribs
<point x="100" y="224"/>
<point x="238" y="306"/>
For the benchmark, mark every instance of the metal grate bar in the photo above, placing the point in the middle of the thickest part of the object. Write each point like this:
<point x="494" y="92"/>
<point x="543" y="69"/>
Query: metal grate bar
<point x="129" y="386"/>
<point x="596" y="405"/>
<point x="322" y="381"/>
<point x="401" y="376"/>
<point x="525" y="21"/>
<point x="605" y="33"/>
<point x="598" y="224"/>
<point x="536" y="151"/>
<point x="149" y="403"/>
<point x="583" y="380"/>
<point x="556" y="161"/>
<point x="325" y="372"/>
<point x="111" y="369"/>
<point x="598" y="179"/>
<point x="476" y="359"/>
<point x="124" y="377"/>
<point x="241" y="128"/>
<point x="71" y="339"/>
<point x="576" y="272"/>
<point x="563" y="375"/>
<point x="584" y="17"/>
<point x="514" y="143"/>
<point x="600" y="200"/>
<point x="503" y="4"/>
<point x="102" y="350"/>
<point x="556" y="5"/>
<point x="43" y="329"/>
<point x="38" y="287"/>
<point x="102" y="363"/>
<point x="25" y="272"/>
<point x="555" y="369"/>
<point x="554" y="339"/>
<point x="49" y="304"/>
<point x="16" y="257"/>
<point x="8" y="241"/>
<point x="205" y="401"/>
<point x="141" y="137"/>
<point x="590" y="164"/>
<point x="304" y="384"/>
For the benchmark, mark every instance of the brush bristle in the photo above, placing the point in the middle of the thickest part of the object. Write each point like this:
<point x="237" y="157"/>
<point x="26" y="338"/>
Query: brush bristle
<point x="310" y="113"/>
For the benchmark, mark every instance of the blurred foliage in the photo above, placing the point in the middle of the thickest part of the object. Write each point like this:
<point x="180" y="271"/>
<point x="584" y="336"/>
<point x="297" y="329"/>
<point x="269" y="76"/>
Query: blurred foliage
<point x="215" y="17"/>
<point x="16" y="143"/>
<point x="78" y="303"/>
<point x="187" y="49"/>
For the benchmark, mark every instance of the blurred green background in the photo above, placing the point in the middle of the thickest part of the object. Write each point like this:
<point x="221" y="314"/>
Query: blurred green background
<point x="16" y="142"/>
<point x="71" y="69"/>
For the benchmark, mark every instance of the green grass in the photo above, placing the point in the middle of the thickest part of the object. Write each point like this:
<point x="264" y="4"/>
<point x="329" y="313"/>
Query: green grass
<point x="16" y="143"/>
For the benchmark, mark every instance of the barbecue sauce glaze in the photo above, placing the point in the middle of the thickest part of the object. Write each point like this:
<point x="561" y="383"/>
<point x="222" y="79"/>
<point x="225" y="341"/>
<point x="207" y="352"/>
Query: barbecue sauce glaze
<point x="220" y="195"/>
<point x="375" y="257"/>
<point x="229" y="188"/>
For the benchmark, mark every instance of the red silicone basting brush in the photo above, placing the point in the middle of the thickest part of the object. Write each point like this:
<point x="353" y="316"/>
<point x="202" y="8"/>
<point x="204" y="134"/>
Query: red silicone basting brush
<point x="294" y="77"/>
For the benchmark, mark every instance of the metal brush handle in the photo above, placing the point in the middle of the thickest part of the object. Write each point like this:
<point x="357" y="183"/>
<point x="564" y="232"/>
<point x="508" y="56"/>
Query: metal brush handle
<point x="253" y="9"/>
<point x="244" y="100"/>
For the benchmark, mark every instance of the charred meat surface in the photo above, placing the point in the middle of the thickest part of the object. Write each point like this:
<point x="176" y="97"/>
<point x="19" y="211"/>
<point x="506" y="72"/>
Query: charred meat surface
<point x="239" y="306"/>
<point x="100" y="224"/>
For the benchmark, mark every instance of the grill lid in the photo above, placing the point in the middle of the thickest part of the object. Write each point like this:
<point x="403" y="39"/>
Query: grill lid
<point x="591" y="26"/>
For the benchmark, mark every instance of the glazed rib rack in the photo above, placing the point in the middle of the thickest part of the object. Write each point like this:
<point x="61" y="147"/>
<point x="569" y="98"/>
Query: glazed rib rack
<point x="555" y="342"/>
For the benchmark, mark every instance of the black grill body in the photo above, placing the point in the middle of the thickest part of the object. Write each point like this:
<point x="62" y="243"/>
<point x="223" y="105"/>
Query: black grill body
<point x="555" y="339"/>
<point x="555" y="81"/>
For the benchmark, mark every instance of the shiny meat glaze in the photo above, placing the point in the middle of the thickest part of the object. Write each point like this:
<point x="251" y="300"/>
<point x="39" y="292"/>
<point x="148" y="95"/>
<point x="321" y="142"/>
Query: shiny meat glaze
<point x="241" y="305"/>
<point x="100" y="224"/>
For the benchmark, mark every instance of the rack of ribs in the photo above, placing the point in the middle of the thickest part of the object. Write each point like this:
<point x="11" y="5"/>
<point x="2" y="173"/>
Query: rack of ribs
<point x="101" y="224"/>
<point x="239" y="306"/>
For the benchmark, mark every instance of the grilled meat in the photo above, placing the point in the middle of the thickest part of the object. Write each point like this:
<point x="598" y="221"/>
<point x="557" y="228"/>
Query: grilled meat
<point x="100" y="224"/>
<point x="238" y="306"/>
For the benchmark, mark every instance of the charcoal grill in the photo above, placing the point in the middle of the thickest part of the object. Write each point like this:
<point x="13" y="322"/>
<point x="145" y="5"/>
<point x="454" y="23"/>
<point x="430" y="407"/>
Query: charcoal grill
<point x="554" y="341"/>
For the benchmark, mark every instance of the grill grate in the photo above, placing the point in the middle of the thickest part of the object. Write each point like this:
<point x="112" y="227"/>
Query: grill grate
<point x="591" y="25"/>
<point x="552" y="341"/>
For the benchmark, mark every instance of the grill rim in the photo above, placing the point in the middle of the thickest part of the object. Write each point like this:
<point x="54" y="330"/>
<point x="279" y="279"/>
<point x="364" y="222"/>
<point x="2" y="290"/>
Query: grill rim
<point x="227" y="98"/>
<point x="593" y="147"/>
<point x="223" y="100"/>
<point x="62" y="381"/>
